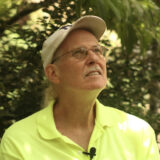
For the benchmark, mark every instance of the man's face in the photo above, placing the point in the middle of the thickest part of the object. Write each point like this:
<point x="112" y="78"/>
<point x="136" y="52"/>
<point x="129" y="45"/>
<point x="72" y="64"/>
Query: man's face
<point x="86" y="74"/>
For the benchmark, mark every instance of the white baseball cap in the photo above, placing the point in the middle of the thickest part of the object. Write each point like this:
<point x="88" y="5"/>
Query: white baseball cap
<point x="94" y="24"/>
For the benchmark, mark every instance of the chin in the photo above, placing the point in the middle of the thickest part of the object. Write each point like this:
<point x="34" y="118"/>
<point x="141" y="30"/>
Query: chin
<point x="96" y="82"/>
<point x="96" y="86"/>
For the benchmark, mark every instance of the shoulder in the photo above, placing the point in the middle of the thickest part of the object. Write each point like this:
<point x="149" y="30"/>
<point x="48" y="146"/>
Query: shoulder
<point x="26" y="126"/>
<point x="124" y="121"/>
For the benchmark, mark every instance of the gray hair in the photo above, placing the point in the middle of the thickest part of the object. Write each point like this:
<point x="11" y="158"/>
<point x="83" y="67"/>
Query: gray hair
<point x="49" y="94"/>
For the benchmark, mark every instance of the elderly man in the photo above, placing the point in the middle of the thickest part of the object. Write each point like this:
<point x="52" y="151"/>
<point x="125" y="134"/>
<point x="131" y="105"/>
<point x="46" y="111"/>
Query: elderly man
<point x="75" y="126"/>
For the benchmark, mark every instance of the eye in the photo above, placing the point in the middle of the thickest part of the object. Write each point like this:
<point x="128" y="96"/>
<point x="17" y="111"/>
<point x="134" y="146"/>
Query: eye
<point x="97" y="49"/>
<point x="79" y="53"/>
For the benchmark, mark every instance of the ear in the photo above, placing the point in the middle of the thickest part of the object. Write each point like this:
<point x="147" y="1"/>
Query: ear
<point x="51" y="72"/>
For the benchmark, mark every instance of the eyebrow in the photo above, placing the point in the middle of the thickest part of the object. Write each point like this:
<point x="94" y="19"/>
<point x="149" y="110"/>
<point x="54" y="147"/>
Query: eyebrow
<point x="85" y="47"/>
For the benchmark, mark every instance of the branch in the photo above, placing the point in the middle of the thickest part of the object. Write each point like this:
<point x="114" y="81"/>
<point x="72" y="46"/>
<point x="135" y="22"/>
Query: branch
<point x="28" y="10"/>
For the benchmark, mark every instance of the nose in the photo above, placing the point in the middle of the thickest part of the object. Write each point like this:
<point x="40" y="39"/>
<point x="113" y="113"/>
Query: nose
<point x="92" y="58"/>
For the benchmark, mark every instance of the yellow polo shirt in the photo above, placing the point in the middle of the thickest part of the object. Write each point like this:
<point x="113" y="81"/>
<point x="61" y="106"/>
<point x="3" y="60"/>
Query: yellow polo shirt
<point x="116" y="136"/>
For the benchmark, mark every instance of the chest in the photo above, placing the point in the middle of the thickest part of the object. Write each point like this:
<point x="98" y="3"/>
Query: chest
<point x="78" y="136"/>
<point x="109" y="146"/>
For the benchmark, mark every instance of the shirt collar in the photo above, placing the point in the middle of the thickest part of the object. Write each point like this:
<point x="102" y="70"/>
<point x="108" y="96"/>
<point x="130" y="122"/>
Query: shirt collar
<point x="103" y="115"/>
<point x="47" y="128"/>
<point x="109" y="116"/>
<point x="45" y="123"/>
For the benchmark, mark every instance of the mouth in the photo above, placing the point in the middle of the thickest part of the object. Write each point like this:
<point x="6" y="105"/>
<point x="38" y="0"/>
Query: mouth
<point x="93" y="73"/>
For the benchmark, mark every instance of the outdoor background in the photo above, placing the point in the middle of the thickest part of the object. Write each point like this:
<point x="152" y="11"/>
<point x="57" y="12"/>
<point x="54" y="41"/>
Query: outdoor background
<point x="132" y="37"/>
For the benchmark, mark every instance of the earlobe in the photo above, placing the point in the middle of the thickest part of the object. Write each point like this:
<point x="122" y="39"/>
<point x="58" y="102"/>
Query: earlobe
<point x="51" y="73"/>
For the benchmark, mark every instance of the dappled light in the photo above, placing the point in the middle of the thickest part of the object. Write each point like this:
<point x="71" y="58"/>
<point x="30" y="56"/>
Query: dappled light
<point x="27" y="148"/>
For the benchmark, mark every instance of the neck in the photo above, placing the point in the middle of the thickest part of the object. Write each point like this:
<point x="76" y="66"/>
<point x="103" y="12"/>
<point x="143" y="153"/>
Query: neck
<point x="76" y="109"/>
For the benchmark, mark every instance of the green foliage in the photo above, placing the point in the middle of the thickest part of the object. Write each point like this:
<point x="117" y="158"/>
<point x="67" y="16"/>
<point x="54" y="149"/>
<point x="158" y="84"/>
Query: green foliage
<point x="134" y="21"/>
<point x="133" y="69"/>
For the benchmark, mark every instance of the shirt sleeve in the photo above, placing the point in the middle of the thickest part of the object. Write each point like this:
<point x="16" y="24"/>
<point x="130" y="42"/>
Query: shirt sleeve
<point x="8" y="150"/>
<point x="149" y="145"/>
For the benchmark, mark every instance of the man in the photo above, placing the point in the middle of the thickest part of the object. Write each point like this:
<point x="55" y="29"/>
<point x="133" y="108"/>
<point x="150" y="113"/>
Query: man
<point x="75" y="126"/>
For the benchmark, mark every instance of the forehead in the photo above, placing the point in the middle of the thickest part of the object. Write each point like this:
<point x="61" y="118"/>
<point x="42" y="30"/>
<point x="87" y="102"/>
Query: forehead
<point x="79" y="37"/>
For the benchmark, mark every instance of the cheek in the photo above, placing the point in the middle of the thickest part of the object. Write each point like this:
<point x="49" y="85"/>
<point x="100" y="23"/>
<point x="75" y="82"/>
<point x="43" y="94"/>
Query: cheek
<point x="70" y="72"/>
<point x="106" y="72"/>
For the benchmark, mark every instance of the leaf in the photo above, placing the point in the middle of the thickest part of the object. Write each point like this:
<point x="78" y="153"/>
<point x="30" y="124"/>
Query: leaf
<point x="113" y="7"/>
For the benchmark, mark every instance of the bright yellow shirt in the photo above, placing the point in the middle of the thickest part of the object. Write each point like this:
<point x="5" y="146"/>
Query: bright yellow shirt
<point x="116" y="136"/>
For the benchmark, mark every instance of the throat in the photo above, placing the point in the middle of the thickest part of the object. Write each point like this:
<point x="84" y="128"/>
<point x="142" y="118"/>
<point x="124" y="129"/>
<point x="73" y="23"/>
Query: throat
<point x="74" y="117"/>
